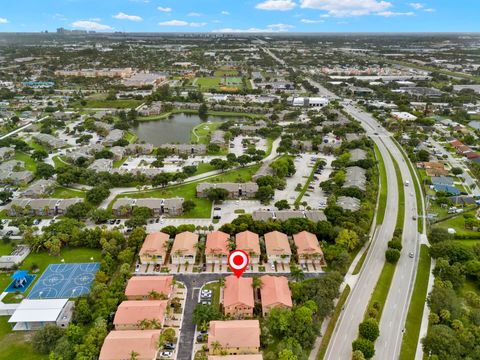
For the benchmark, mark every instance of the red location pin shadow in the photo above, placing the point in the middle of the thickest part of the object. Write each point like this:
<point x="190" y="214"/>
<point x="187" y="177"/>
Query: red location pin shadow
<point x="238" y="261"/>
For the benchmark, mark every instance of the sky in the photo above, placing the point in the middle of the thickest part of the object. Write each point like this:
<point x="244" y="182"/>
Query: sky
<point x="241" y="15"/>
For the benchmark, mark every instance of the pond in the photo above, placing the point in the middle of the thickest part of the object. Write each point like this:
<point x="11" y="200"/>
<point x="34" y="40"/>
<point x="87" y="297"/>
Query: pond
<point x="176" y="129"/>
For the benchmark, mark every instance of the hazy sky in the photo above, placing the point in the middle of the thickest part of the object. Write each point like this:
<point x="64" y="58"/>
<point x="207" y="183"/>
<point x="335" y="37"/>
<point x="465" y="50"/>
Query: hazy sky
<point x="241" y="15"/>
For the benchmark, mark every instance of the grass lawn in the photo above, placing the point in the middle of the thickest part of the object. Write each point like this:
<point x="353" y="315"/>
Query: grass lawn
<point x="380" y="292"/>
<point x="215" y="287"/>
<point x="188" y="191"/>
<point x="5" y="249"/>
<point x="458" y="223"/>
<point x="418" y="190"/>
<point x="130" y="137"/>
<point x="118" y="163"/>
<point x="401" y="197"/>
<point x="200" y="134"/>
<point x="59" y="162"/>
<point x="16" y="345"/>
<point x="67" y="193"/>
<point x="415" y="310"/>
<point x="209" y="82"/>
<point x="116" y="104"/>
<point x="220" y="73"/>
<point x="203" y="168"/>
<point x="382" y="202"/>
<point x="360" y="262"/>
<point x="36" y="146"/>
<point x="30" y="164"/>
<point x="331" y="325"/>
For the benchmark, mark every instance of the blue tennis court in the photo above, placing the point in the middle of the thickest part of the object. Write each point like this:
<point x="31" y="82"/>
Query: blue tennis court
<point x="64" y="281"/>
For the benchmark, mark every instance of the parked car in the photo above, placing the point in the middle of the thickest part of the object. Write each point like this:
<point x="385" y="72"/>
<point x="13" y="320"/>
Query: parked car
<point x="36" y="221"/>
<point x="9" y="233"/>
<point x="118" y="221"/>
<point x="217" y="208"/>
<point x="166" y="354"/>
<point x="137" y="268"/>
<point x="169" y="346"/>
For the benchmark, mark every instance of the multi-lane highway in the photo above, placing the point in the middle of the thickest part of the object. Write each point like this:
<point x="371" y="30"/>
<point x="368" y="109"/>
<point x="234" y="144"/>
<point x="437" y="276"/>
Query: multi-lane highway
<point x="396" y="306"/>
<point x="346" y="329"/>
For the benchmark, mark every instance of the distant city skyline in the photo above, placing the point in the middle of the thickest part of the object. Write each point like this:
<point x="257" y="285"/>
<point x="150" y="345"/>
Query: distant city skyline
<point x="241" y="16"/>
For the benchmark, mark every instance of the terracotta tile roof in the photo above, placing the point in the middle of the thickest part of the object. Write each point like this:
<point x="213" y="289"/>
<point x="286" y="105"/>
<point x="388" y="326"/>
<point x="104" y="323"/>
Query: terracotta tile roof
<point x="276" y="243"/>
<point x="154" y="244"/>
<point x="238" y="291"/>
<point x="275" y="290"/>
<point x="248" y="242"/>
<point x="143" y="285"/>
<point x="217" y="243"/>
<point x="132" y="312"/>
<point x="235" y="333"/>
<point x="185" y="243"/>
<point x="120" y="344"/>
<point x="307" y="243"/>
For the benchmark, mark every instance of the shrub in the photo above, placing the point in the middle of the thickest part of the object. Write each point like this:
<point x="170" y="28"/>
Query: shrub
<point x="395" y="243"/>
<point x="365" y="346"/>
<point x="369" y="329"/>
<point x="392" y="255"/>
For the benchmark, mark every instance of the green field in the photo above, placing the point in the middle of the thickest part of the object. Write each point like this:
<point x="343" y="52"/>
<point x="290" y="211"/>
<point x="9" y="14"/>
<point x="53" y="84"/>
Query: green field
<point x="118" y="163"/>
<point x="201" y="133"/>
<point x="67" y="193"/>
<point x="380" y="292"/>
<point x="115" y="104"/>
<point x="382" y="201"/>
<point x="206" y="83"/>
<point x="16" y="345"/>
<point x="30" y="164"/>
<point x="59" y="162"/>
<point x="401" y="197"/>
<point x="220" y="73"/>
<point x="188" y="191"/>
<point x="458" y="223"/>
<point x="415" y="311"/>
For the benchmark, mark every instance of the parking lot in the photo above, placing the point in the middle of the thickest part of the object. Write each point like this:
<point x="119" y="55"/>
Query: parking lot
<point x="315" y="196"/>
<point x="303" y="166"/>
<point x="237" y="148"/>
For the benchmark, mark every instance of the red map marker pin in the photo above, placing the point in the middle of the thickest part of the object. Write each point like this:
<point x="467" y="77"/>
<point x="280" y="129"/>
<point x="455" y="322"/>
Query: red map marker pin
<point x="238" y="262"/>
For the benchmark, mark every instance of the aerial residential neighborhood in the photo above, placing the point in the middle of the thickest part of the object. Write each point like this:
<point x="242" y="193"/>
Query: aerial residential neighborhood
<point x="253" y="180"/>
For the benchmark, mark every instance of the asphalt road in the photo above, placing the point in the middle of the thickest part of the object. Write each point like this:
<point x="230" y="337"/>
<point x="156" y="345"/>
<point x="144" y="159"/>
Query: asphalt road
<point x="396" y="306"/>
<point x="193" y="283"/>
<point x="346" y="329"/>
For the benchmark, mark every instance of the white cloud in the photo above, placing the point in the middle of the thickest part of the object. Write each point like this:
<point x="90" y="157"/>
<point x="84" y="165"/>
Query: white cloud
<point x="90" y="25"/>
<point x="429" y="10"/>
<point x="310" y="21"/>
<point x="197" y="24"/>
<point x="346" y="8"/>
<point x="95" y="19"/>
<point x="3" y="21"/>
<point x="182" y="23"/>
<point x="417" y="6"/>
<point x="269" y="29"/>
<point x="123" y="16"/>
<point x="393" y="13"/>
<point x="194" y="14"/>
<point x="225" y="13"/>
<point x="164" y="9"/>
<point x="278" y="5"/>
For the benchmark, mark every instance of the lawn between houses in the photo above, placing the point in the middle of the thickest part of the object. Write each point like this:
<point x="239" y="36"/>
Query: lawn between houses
<point x="188" y="191"/>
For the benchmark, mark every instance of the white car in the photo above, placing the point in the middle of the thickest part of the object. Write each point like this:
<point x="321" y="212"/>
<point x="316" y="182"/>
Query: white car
<point x="166" y="354"/>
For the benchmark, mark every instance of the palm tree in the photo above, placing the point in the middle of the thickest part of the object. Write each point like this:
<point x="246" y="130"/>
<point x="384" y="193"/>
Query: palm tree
<point x="257" y="283"/>
<point x="134" y="355"/>
<point x="296" y="273"/>
<point x="216" y="346"/>
<point x="221" y="282"/>
<point x="144" y="324"/>
<point x="154" y="295"/>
